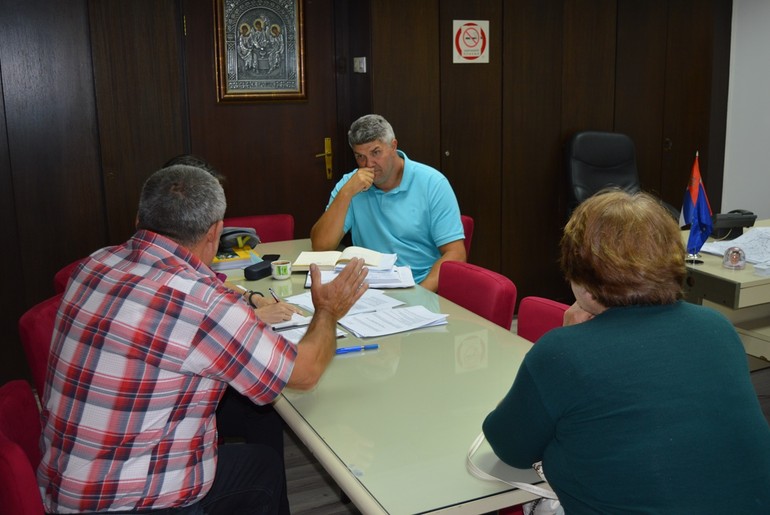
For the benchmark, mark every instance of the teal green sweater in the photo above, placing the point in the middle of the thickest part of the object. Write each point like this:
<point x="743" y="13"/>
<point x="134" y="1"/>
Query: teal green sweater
<point x="644" y="409"/>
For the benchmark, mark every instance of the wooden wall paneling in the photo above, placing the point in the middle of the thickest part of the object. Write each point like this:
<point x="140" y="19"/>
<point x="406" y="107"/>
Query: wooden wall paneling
<point x="12" y="364"/>
<point x="533" y="188"/>
<point x="352" y="38"/>
<point x="721" y="38"/>
<point x="696" y="95"/>
<point x="589" y="65"/>
<point x="48" y="156"/>
<point x="266" y="149"/>
<point x="471" y="125"/>
<point x="640" y="84"/>
<point x="139" y="94"/>
<point x="52" y="138"/>
<point x="405" y="74"/>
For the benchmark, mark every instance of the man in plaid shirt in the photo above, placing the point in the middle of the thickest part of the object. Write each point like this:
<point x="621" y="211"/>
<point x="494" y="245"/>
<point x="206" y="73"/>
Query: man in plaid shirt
<point x="146" y="341"/>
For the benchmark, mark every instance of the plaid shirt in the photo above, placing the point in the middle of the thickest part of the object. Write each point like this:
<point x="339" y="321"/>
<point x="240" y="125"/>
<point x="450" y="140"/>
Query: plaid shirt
<point x="145" y="342"/>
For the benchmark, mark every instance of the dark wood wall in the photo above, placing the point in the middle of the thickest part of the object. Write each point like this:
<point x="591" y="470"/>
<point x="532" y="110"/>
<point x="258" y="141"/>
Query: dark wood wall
<point x="140" y="97"/>
<point x="52" y="199"/>
<point x="115" y="88"/>
<point x="657" y="70"/>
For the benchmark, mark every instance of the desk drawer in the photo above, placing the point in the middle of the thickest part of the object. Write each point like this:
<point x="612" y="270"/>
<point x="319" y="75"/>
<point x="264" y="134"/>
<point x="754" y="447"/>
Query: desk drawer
<point x="699" y="286"/>
<point x="755" y="335"/>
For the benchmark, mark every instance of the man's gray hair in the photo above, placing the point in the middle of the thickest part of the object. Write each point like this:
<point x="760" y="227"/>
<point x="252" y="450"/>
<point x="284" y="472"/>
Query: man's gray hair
<point x="368" y="128"/>
<point x="181" y="202"/>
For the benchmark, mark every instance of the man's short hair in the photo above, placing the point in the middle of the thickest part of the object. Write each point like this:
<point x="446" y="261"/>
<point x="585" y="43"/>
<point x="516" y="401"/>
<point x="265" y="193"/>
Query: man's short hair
<point x="181" y="202"/>
<point x="368" y="128"/>
<point x="197" y="162"/>
<point x="624" y="249"/>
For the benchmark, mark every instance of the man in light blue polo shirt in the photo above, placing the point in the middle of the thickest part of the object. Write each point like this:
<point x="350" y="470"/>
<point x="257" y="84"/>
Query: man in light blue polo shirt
<point x="393" y="205"/>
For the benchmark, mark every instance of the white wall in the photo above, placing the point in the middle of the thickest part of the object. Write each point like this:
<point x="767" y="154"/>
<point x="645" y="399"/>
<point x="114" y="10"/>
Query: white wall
<point x="747" y="144"/>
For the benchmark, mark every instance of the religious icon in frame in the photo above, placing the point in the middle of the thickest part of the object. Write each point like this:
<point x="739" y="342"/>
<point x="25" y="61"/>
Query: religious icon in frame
<point x="259" y="50"/>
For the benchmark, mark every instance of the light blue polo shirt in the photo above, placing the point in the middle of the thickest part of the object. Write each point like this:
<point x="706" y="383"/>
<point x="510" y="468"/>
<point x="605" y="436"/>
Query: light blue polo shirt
<point x="413" y="220"/>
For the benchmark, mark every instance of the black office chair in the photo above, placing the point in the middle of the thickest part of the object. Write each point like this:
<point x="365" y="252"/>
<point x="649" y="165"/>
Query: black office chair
<point x="599" y="160"/>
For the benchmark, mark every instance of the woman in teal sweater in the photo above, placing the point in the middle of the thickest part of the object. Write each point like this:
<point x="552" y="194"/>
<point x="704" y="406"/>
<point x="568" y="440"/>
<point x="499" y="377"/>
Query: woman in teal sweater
<point x="642" y="403"/>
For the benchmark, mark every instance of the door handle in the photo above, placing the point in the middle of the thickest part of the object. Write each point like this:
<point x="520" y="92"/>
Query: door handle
<point x="328" y="157"/>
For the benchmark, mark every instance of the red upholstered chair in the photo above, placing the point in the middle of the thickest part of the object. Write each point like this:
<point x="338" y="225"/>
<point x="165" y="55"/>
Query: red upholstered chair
<point x="35" y="331"/>
<point x="61" y="277"/>
<point x="537" y="316"/>
<point x="486" y="293"/>
<point x="19" y="451"/>
<point x="278" y="227"/>
<point x="468" y="225"/>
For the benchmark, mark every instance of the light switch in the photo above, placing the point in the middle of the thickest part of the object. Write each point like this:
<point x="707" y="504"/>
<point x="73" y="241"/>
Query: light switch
<point x="359" y="65"/>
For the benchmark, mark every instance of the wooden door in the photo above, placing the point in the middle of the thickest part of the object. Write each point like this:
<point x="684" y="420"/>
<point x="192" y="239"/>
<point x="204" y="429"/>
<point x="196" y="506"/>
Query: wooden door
<point x="533" y="189"/>
<point x="671" y="92"/>
<point x="140" y="100"/>
<point x="267" y="149"/>
<point x="471" y="154"/>
<point x="695" y="108"/>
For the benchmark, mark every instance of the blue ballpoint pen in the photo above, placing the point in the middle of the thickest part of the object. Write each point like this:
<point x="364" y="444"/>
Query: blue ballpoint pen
<point x="359" y="348"/>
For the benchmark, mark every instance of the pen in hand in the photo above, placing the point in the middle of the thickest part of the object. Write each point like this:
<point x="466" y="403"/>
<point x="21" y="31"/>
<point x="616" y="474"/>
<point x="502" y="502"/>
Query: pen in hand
<point x="275" y="296"/>
<point x="357" y="348"/>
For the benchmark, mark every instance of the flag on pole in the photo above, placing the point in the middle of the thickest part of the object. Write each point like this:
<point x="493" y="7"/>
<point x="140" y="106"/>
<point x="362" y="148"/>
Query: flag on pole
<point x="696" y="211"/>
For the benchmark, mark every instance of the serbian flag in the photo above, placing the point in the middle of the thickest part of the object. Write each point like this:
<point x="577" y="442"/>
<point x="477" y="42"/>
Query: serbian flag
<point x="696" y="211"/>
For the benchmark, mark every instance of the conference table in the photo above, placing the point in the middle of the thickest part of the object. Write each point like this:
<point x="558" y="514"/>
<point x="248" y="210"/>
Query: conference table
<point x="393" y="426"/>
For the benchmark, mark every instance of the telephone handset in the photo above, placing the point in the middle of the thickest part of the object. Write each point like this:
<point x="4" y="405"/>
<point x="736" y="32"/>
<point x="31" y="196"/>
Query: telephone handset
<point x="728" y="226"/>
<point x="741" y="212"/>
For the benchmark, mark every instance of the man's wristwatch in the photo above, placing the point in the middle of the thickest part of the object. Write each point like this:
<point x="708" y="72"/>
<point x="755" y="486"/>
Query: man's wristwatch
<point x="249" y="295"/>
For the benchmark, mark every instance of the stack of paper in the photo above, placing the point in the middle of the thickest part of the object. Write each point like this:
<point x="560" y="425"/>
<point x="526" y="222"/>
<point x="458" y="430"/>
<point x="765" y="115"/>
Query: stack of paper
<point x="391" y="321"/>
<point x="754" y="242"/>
<point x="395" y="277"/>
<point x="295" y="334"/>
<point x="374" y="314"/>
<point x="371" y="300"/>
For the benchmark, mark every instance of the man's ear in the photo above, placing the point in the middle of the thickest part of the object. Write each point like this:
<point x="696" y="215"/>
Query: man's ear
<point x="212" y="235"/>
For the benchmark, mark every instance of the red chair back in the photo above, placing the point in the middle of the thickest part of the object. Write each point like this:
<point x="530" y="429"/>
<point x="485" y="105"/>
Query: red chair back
<point x="468" y="226"/>
<point x="277" y="227"/>
<point x="35" y="331"/>
<point x="486" y="293"/>
<point x="537" y="316"/>
<point x="19" y="450"/>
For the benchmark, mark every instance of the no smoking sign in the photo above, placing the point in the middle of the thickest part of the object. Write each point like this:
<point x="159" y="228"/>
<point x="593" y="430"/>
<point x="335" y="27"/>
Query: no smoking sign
<point x="471" y="41"/>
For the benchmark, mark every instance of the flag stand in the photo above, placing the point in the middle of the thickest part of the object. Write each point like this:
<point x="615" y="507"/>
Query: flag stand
<point x="696" y="212"/>
<point x="693" y="259"/>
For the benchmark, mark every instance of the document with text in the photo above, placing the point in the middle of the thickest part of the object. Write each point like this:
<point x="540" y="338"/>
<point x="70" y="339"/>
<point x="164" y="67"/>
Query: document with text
<point x="391" y="321"/>
<point x="755" y="243"/>
<point x="395" y="277"/>
<point x="372" y="300"/>
<point x="295" y="334"/>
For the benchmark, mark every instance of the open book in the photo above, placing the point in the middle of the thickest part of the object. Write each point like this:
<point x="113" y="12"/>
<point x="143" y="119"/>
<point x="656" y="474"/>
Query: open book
<point x="328" y="259"/>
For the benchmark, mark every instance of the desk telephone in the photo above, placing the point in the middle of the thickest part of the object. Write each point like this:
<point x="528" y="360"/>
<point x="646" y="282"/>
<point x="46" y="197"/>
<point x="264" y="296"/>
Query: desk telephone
<point x="728" y="226"/>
